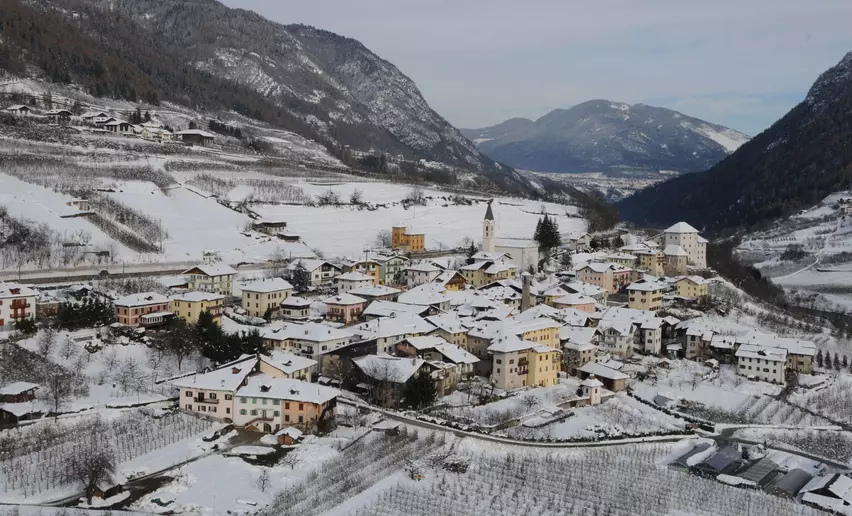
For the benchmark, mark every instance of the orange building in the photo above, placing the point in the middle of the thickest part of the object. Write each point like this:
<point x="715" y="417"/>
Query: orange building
<point x="406" y="240"/>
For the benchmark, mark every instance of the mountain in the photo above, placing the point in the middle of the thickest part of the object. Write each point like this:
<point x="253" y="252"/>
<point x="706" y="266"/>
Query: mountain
<point x="798" y="161"/>
<point x="203" y="54"/>
<point x="605" y="136"/>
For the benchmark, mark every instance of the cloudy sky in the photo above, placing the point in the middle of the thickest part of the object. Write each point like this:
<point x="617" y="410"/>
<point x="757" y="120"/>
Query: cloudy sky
<point x="741" y="63"/>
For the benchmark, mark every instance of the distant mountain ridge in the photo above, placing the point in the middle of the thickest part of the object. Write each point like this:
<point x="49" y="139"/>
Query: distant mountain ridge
<point x="606" y="136"/>
<point x="798" y="161"/>
<point x="203" y="54"/>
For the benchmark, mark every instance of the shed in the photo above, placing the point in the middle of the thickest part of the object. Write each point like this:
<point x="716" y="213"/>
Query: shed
<point x="790" y="484"/>
<point x="196" y="137"/>
<point x="761" y="472"/>
<point x="683" y="463"/>
<point x="724" y="461"/>
<point x="288" y="435"/>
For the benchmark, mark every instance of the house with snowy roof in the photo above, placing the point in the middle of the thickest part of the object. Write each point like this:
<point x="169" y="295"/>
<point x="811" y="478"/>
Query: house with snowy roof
<point x="762" y="363"/>
<point x="645" y="295"/>
<point x="353" y="280"/>
<point x="431" y="295"/>
<point x="377" y="293"/>
<point x="452" y="281"/>
<point x="131" y="310"/>
<point x="692" y="287"/>
<point x="392" y="269"/>
<point x="17" y="302"/>
<point x="608" y="276"/>
<point x="686" y="237"/>
<point x="320" y="271"/>
<point x="217" y="278"/>
<point x="384" y="377"/>
<point x="828" y="492"/>
<point x="18" y="392"/>
<point x="190" y="305"/>
<point x="365" y="266"/>
<point x="308" y="340"/>
<point x="481" y="273"/>
<point x="421" y="273"/>
<point x="265" y="295"/>
<point x="516" y="362"/>
<point x="295" y="308"/>
<point x="345" y="308"/>
<point x="387" y="332"/>
<point x="196" y="137"/>
<point x="450" y="327"/>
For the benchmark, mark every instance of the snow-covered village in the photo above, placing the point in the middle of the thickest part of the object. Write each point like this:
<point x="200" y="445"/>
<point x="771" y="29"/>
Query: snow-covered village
<point x="246" y="269"/>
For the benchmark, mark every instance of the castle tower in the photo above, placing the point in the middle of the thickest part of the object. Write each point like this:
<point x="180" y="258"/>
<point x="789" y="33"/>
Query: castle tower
<point x="489" y="230"/>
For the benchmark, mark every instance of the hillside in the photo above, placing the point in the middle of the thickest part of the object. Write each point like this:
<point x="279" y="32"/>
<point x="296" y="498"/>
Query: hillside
<point x="798" y="161"/>
<point x="605" y="136"/>
<point x="204" y="55"/>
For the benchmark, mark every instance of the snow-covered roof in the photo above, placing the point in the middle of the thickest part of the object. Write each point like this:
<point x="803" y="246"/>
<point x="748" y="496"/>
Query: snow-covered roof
<point x="620" y="256"/>
<point x="392" y="308"/>
<point x="293" y="432"/>
<point x="424" y="267"/>
<point x="227" y="378"/>
<point x="216" y="269"/>
<point x="645" y="286"/>
<point x="311" y="332"/>
<point x="344" y="299"/>
<point x="515" y="243"/>
<point x="267" y="285"/>
<point x="456" y="354"/>
<point x="498" y="267"/>
<point x="698" y="280"/>
<point x="387" y="368"/>
<point x="196" y="132"/>
<point x="196" y="296"/>
<point x="310" y="265"/>
<point x="17" y="107"/>
<point x="681" y="227"/>
<point x="287" y="362"/>
<point x="584" y="288"/>
<point x="602" y="267"/>
<point x="508" y="342"/>
<point x="375" y="291"/>
<point x="574" y="299"/>
<point x="425" y="342"/>
<point x="141" y="299"/>
<point x="264" y="386"/>
<point x="630" y="315"/>
<point x="488" y="256"/>
<point x="14" y="290"/>
<point x="446" y="276"/>
<point x="577" y="335"/>
<point x="403" y="324"/>
<point x="353" y="276"/>
<point x="591" y="382"/>
<point x="674" y="250"/>
<point x="16" y="388"/>
<point x="602" y="371"/>
<point x="424" y="295"/>
<point x="622" y="327"/>
<point x="449" y="322"/>
<point x="761" y="352"/>
<point x="296" y="302"/>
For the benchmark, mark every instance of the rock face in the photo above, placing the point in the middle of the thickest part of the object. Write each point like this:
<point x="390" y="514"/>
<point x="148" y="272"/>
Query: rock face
<point x="798" y="161"/>
<point x="336" y="87"/>
<point x="605" y="136"/>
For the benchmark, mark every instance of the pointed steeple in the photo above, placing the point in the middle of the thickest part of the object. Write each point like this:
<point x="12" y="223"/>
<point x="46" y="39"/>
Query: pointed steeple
<point x="489" y="215"/>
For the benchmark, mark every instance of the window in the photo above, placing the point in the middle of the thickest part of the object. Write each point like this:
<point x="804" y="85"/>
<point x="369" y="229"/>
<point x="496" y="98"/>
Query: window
<point x="498" y="370"/>
<point x="188" y="394"/>
<point x="512" y="361"/>
<point x="254" y="401"/>
<point x="287" y="418"/>
<point x="301" y="419"/>
<point x="188" y="406"/>
<point x="202" y="408"/>
<point x="253" y="412"/>
<point x="242" y="400"/>
<point x="228" y="397"/>
<point x="227" y="410"/>
<point x="301" y="406"/>
<point x="212" y="395"/>
<point x="242" y="412"/>
<point x="286" y="405"/>
<point x="212" y="409"/>
<point x="276" y="413"/>
<point x="264" y="401"/>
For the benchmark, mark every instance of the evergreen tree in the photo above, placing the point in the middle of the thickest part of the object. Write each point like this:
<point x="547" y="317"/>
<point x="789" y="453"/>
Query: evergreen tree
<point x="147" y="117"/>
<point x="566" y="261"/>
<point x="211" y="338"/>
<point x="301" y="278"/>
<point x="618" y="242"/>
<point x="845" y="362"/>
<point x="547" y="236"/>
<point x="836" y="362"/>
<point x="419" y="391"/>
<point x="594" y="243"/>
<point x="827" y="360"/>
<point x="819" y="360"/>
<point x="251" y="343"/>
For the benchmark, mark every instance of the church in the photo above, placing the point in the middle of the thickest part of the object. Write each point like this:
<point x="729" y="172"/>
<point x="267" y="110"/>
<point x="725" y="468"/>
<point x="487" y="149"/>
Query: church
<point x="520" y="252"/>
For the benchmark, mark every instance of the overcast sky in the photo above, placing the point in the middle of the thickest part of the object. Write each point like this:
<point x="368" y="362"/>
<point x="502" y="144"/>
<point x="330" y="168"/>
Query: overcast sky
<point x="741" y="63"/>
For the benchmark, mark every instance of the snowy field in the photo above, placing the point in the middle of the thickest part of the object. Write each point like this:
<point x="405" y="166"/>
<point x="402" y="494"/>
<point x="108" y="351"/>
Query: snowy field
<point x="195" y="223"/>
<point x="498" y="480"/>
<point x="831" y="399"/>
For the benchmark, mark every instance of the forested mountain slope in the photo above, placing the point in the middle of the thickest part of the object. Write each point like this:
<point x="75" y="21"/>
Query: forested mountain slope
<point x="798" y="161"/>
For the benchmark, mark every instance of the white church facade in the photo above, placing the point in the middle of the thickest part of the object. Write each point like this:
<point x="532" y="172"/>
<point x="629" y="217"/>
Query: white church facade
<point x="520" y="252"/>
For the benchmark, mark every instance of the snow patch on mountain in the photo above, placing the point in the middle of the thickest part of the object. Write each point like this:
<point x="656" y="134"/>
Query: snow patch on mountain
<point x="730" y="139"/>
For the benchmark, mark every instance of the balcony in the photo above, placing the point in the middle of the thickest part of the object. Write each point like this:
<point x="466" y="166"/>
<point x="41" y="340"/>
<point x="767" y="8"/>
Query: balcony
<point x="18" y="305"/>
<point x="211" y="401"/>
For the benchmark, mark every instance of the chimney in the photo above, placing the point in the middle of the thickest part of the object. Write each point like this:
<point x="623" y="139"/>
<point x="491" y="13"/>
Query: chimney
<point x="526" y="279"/>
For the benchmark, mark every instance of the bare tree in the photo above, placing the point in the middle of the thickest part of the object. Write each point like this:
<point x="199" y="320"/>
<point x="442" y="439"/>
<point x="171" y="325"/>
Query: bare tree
<point x="46" y="342"/>
<point x="263" y="480"/>
<point x="92" y="467"/>
<point x="290" y="460"/>
<point x="357" y="197"/>
<point x="68" y="349"/>
<point x="56" y="391"/>
<point x="384" y="239"/>
<point x="529" y="401"/>
<point x="129" y="376"/>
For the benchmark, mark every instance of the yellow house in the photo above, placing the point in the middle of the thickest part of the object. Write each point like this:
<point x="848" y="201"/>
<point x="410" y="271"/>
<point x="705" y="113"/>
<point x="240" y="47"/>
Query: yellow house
<point x="369" y="267"/>
<point x="654" y="262"/>
<point x="480" y="274"/>
<point x="623" y="259"/>
<point x="407" y="240"/>
<point x="692" y="287"/>
<point x="216" y="278"/>
<point x="542" y="331"/>
<point x="267" y="294"/>
<point x="189" y="306"/>
<point x="517" y="363"/>
<point x="645" y="295"/>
